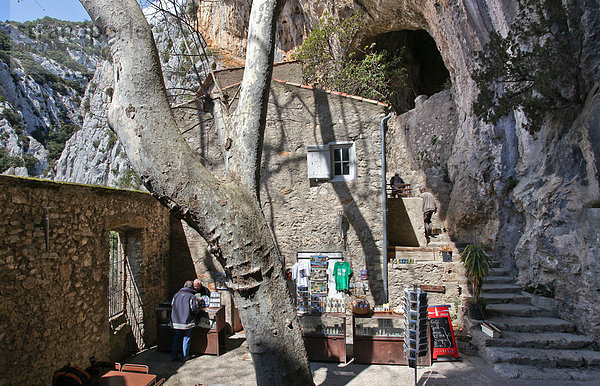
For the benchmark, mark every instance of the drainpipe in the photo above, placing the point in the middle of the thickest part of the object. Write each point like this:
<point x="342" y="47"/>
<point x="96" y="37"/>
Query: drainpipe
<point x="384" y="205"/>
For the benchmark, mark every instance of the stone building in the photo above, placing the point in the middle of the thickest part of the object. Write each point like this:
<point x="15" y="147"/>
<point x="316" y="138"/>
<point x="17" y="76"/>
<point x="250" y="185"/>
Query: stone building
<point x="56" y="252"/>
<point x="321" y="191"/>
<point x="313" y="210"/>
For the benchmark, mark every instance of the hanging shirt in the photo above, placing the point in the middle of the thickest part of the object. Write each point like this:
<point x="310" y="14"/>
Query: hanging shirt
<point x="341" y="272"/>
<point x="331" y="291"/>
<point x="301" y="273"/>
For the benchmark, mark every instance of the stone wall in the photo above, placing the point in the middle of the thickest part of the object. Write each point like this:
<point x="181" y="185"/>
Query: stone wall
<point x="304" y="214"/>
<point x="431" y="273"/>
<point x="419" y="144"/>
<point x="54" y="299"/>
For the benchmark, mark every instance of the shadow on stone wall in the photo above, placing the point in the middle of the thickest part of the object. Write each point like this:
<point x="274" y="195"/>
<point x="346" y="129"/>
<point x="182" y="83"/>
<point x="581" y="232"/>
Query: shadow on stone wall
<point x="350" y="204"/>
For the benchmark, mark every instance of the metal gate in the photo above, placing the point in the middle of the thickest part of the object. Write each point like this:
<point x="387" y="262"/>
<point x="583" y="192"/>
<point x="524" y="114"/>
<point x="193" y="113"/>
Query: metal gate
<point x="123" y="294"/>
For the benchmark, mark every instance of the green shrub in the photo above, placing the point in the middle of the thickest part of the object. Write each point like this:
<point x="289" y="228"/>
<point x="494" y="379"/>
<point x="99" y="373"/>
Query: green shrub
<point x="15" y="120"/>
<point x="332" y="60"/>
<point x="7" y="161"/>
<point x="545" y="290"/>
<point x="537" y="67"/>
<point x="56" y="139"/>
<point x="129" y="180"/>
<point x="477" y="264"/>
<point x="30" y="162"/>
<point x="112" y="139"/>
<point x="593" y="204"/>
<point x="509" y="185"/>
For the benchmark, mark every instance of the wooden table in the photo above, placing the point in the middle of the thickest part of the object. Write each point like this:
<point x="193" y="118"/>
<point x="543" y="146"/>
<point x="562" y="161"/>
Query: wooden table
<point x="126" y="378"/>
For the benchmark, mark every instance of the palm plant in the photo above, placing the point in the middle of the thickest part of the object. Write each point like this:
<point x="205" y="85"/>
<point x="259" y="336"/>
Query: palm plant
<point x="477" y="264"/>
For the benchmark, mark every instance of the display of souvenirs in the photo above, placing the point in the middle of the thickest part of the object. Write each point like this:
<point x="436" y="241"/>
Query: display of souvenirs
<point x="215" y="300"/>
<point x="204" y="301"/>
<point x="336" y="306"/>
<point x="319" y="296"/>
<point x="318" y="283"/>
<point x="302" y="300"/>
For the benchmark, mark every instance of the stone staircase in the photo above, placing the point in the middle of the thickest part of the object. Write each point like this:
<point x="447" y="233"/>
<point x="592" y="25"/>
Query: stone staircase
<point x="535" y="343"/>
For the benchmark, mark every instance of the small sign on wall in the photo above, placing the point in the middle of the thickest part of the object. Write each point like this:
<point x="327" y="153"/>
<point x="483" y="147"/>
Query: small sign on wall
<point x="220" y="280"/>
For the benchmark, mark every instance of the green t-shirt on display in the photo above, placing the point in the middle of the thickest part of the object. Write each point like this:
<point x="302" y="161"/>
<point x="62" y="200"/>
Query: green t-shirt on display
<point x="341" y="272"/>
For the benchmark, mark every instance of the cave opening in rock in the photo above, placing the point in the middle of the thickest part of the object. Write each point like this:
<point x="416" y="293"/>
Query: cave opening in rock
<point x="426" y="72"/>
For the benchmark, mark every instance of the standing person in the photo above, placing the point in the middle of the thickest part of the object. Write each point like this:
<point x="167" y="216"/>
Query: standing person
<point x="183" y="307"/>
<point x="429" y="208"/>
<point x="397" y="183"/>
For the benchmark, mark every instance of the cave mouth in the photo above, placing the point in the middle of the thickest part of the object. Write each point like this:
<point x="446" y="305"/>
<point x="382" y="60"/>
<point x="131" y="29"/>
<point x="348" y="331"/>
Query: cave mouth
<point x="426" y="72"/>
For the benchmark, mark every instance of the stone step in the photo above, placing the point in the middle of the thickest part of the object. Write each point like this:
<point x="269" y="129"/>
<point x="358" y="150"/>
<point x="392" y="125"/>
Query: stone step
<point x="553" y="375"/>
<point x="496" y="264"/>
<point x="543" y="357"/>
<point x="509" y="309"/>
<point x="498" y="272"/>
<point x="493" y="298"/>
<point x="524" y="324"/>
<point x="501" y="288"/>
<point x="497" y="279"/>
<point x="540" y="340"/>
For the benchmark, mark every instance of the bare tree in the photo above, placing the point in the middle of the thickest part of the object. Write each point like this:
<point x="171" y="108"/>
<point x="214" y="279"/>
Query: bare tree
<point x="226" y="212"/>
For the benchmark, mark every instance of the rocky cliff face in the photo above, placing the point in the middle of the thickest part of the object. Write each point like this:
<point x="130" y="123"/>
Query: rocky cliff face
<point x="94" y="155"/>
<point x="523" y="194"/>
<point x="44" y="69"/>
<point x="498" y="184"/>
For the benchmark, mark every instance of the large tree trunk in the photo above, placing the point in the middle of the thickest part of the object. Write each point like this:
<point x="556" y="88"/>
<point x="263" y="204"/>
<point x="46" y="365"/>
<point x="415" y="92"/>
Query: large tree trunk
<point x="225" y="213"/>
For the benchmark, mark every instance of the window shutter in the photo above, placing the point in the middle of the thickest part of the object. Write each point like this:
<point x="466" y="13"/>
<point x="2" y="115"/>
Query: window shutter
<point x="317" y="162"/>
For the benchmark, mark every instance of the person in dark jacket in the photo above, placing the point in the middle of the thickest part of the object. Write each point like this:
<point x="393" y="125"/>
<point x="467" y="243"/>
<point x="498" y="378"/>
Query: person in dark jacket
<point x="396" y="183"/>
<point x="183" y="307"/>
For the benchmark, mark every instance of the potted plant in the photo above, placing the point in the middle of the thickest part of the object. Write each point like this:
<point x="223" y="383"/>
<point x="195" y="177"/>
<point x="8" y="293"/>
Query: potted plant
<point x="477" y="264"/>
<point x="446" y="253"/>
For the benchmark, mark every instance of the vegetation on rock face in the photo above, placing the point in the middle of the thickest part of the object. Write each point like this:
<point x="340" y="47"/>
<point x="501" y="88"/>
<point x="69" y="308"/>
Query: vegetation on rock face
<point x="545" y="290"/>
<point x="593" y="204"/>
<point x="8" y="161"/>
<point x="129" y="180"/>
<point x="537" y="67"/>
<point x="331" y="60"/>
<point x="56" y="139"/>
<point x="50" y="62"/>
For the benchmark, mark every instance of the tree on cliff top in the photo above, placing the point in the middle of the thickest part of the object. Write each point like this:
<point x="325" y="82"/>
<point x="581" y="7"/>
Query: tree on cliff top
<point x="537" y="67"/>
<point x="225" y="212"/>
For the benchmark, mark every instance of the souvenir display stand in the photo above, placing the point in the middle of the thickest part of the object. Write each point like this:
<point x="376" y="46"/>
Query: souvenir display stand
<point x="324" y="337"/>
<point x="207" y="341"/>
<point x="379" y="339"/>
<point x="204" y="340"/>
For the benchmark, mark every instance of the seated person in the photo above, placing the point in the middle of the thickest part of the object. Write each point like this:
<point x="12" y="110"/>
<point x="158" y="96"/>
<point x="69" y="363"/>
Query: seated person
<point x="202" y="293"/>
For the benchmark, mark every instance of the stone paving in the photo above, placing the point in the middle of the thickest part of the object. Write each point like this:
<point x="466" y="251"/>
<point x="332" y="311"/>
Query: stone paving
<point x="232" y="369"/>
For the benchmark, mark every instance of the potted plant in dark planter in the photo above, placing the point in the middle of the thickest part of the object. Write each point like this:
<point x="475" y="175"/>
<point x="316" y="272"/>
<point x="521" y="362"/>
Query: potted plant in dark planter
<point x="477" y="264"/>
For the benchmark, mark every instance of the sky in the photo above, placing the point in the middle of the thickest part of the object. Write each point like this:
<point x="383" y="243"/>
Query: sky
<point x="25" y="10"/>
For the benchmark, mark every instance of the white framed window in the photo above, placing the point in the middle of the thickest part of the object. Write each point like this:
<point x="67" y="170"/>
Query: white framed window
<point x="335" y="161"/>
